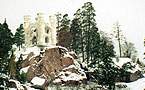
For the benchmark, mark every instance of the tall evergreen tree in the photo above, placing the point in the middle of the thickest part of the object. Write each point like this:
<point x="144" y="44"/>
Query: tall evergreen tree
<point x="84" y="31"/>
<point x="6" y="41"/>
<point x="19" y="36"/>
<point x="76" y="36"/>
<point x="59" y="17"/>
<point x="20" y="76"/>
<point x="63" y="34"/>
<point x="78" y="30"/>
<point x="90" y="30"/>
<point x="106" y="72"/>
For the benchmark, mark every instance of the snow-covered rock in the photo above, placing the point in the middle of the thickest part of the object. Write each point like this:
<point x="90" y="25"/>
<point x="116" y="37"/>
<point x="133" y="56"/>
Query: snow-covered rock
<point x="119" y="62"/>
<point x="135" y="73"/>
<point x="16" y="84"/>
<point x="38" y="81"/>
<point x="70" y="74"/>
<point x="54" y="64"/>
<point x="25" y="69"/>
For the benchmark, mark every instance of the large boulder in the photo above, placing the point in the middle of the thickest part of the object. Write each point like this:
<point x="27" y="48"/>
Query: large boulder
<point x="55" y="64"/>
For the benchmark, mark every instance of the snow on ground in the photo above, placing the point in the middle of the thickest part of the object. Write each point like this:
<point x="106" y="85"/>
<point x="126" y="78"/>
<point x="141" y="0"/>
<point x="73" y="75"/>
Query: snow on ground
<point x="18" y="84"/>
<point x="137" y="85"/>
<point x="17" y="52"/>
<point x="38" y="81"/>
<point x="121" y="61"/>
<point x="137" y="68"/>
<point x="26" y="51"/>
<point x="67" y="55"/>
<point x="35" y="50"/>
<point x="69" y="76"/>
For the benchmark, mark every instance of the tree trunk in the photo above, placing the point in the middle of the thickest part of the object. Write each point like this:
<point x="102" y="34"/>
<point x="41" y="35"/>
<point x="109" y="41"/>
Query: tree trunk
<point x="118" y="36"/>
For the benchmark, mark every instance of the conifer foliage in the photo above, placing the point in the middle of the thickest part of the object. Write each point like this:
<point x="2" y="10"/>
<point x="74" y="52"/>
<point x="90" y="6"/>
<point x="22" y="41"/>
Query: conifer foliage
<point x="76" y="34"/>
<point x="95" y="48"/>
<point x="6" y="41"/>
<point x="106" y="72"/>
<point x="63" y="32"/>
<point x="84" y="30"/>
<point x="6" y="38"/>
<point x="19" y="36"/>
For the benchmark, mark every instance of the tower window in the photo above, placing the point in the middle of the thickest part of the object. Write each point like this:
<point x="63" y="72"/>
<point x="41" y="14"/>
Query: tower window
<point x="34" y="40"/>
<point x="35" y="30"/>
<point x="47" y="30"/>
<point x="46" y="40"/>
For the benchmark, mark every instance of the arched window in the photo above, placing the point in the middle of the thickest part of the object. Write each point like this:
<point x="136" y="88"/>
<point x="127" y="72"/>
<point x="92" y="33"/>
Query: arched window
<point x="47" y="30"/>
<point x="46" y="40"/>
<point x="34" y="40"/>
<point x="35" y="30"/>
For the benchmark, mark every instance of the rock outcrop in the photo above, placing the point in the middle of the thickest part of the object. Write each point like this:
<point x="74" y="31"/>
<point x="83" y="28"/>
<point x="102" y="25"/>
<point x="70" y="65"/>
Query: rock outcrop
<point x="55" y="64"/>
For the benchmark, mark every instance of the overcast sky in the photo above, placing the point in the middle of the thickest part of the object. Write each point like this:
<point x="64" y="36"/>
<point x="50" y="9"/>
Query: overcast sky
<point x="129" y="13"/>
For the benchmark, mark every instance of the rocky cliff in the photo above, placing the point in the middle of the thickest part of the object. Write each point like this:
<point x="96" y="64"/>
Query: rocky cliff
<point x="53" y="65"/>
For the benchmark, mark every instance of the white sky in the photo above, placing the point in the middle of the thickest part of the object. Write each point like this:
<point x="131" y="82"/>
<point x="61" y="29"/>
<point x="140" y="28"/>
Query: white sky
<point x="129" y="13"/>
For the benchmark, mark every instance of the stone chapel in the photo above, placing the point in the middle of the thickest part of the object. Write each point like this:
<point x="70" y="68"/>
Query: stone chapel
<point x="40" y="33"/>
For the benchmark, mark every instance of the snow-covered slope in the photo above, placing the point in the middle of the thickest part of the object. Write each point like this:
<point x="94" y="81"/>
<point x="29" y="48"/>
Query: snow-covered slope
<point x="137" y="85"/>
<point x="121" y="61"/>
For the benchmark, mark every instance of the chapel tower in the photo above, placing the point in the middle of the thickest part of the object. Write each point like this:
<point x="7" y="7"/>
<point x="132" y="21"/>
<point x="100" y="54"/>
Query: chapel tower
<point x="40" y="33"/>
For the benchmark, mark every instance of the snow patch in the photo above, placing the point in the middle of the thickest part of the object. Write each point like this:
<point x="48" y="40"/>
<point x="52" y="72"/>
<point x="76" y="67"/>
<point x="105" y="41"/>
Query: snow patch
<point x="38" y="81"/>
<point x="18" y="84"/>
<point x="35" y="50"/>
<point x="137" y="68"/>
<point x="57" y="80"/>
<point x="50" y="47"/>
<point x="121" y="61"/>
<point x="67" y="55"/>
<point x="137" y="85"/>
<point x="71" y="66"/>
<point x="25" y="69"/>
<point x="69" y="76"/>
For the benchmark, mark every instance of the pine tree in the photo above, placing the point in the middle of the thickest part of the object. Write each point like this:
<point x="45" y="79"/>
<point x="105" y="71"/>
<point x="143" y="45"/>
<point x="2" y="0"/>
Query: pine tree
<point x="20" y="76"/>
<point x="19" y="36"/>
<point x="59" y="17"/>
<point x="106" y="72"/>
<point x="6" y="41"/>
<point x="79" y="30"/>
<point x="76" y="38"/>
<point x="90" y="30"/>
<point x="63" y="34"/>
